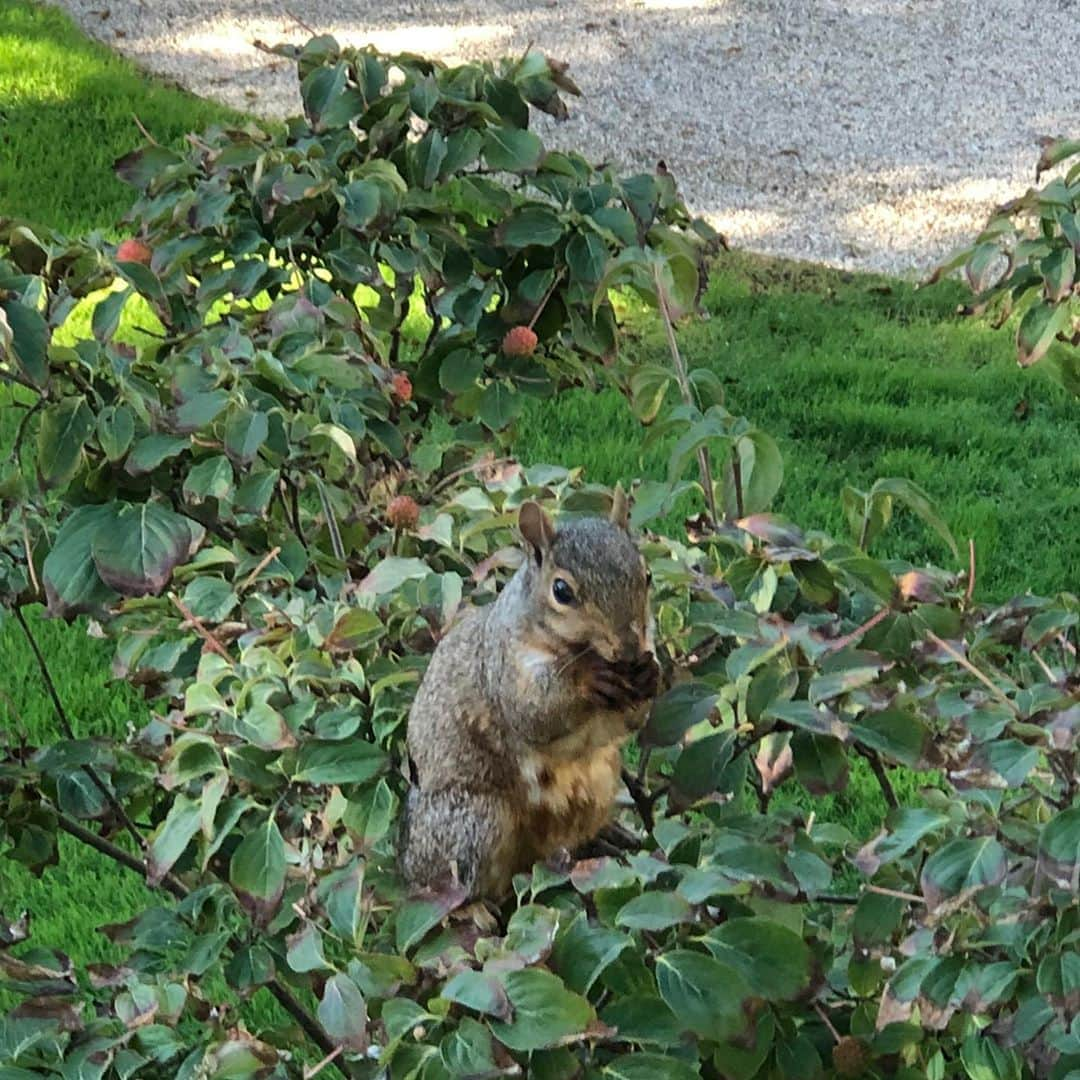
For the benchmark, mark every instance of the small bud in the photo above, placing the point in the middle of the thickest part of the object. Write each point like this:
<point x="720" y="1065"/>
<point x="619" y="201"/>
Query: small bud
<point x="850" y="1056"/>
<point x="520" y="341"/>
<point x="403" y="512"/>
<point x="133" y="251"/>
<point x="402" y="385"/>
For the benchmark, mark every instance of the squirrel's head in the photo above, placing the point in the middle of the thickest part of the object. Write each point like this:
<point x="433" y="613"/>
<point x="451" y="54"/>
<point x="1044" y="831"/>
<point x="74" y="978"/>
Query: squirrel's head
<point x="588" y="582"/>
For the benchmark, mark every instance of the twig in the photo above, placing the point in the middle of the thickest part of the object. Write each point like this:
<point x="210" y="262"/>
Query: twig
<point x="193" y="620"/>
<point x="848" y="639"/>
<point x="176" y="888"/>
<point x="145" y="134"/>
<point x="30" y="559"/>
<point x="547" y="296"/>
<point x="314" y="33"/>
<point x="65" y="723"/>
<point x="911" y="898"/>
<point x="970" y="590"/>
<point x="476" y="466"/>
<point x="16" y="447"/>
<point x="736" y="477"/>
<point x="643" y="801"/>
<point x="826" y="1021"/>
<point x="965" y="663"/>
<point x="882" y="776"/>
<point x="683" y="380"/>
<point x="264" y="562"/>
<point x="316" y="1069"/>
<point x="1050" y="676"/>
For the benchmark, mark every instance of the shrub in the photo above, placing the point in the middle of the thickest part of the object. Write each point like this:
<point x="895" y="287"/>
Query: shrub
<point x="272" y="482"/>
<point x="1024" y="262"/>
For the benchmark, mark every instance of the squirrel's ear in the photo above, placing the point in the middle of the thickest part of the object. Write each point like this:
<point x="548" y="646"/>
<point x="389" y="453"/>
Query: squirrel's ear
<point x="536" y="529"/>
<point x="620" y="508"/>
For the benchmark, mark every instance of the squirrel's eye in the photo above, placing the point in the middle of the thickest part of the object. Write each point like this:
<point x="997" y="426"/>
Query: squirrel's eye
<point x="562" y="592"/>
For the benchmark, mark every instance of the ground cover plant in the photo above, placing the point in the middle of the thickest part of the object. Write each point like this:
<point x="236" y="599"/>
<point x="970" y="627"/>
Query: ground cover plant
<point x="293" y="561"/>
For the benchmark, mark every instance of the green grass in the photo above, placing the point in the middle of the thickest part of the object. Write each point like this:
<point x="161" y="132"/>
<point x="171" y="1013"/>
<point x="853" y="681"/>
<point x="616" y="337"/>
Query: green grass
<point x="856" y="377"/>
<point x="67" y="109"/>
<point x="855" y="384"/>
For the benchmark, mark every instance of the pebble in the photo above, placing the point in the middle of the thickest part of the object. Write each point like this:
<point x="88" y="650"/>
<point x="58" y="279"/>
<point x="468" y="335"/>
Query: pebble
<point x="865" y="134"/>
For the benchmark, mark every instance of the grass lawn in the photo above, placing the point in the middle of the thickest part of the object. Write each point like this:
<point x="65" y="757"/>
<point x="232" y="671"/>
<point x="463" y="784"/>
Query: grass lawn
<point x="857" y="378"/>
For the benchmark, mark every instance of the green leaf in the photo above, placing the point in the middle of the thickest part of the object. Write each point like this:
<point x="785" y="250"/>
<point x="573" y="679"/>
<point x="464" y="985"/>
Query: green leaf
<point x="389" y="575"/>
<point x="200" y="410"/>
<point x="106" y="317"/>
<point x="152" y="451"/>
<point x="963" y="865"/>
<point x="587" y="257"/>
<point x="210" y="479"/>
<point x="674" y="713"/>
<point x="531" y="932"/>
<point x="342" y="1012"/>
<point x="508" y="149"/>
<point x="353" y="762"/>
<point x="1059" y="849"/>
<point x="649" y="1067"/>
<point x="1038" y="328"/>
<point x="142" y="545"/>
<point x="360" y="203"/>
<point x="701" y="768"/>
<point x="115" y="431"/>
<point x="64" y="429"/>
<point x="531" y="226"/>
<point x="258" y="864"/>
<point x="72" y="584"/>
<point x="653" y="911"/>
<point x="707" y="997"/>
<point x="29" y="340"/>
<point x="480" y="992"/>
<point x="774" y="961"/>
<point x="245" y="433"/>
<point x="918" y="502"/>
<point x="984" y="1059"/>
<point x="460" y="370"/>
<point x="305" y="950"/>
<point x="761" y="468"/>
<point x="582" y="952"/>
<point x="172" y="838"/>
<point x="499" y="405"/>
<point x="821" y="765"/>
<point x="416" y="917"/>
<point x="467" y="1051"/>
<point x="545" y="1012"/>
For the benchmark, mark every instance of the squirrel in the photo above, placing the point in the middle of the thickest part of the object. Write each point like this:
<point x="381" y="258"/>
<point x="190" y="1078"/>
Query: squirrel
<point x="515" y="733"/>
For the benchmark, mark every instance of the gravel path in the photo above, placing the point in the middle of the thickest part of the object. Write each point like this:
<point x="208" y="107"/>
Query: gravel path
<point x="868" y="134"/>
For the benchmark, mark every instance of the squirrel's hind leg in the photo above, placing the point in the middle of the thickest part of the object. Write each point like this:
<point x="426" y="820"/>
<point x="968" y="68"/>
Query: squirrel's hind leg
<point x="453" y="836"/>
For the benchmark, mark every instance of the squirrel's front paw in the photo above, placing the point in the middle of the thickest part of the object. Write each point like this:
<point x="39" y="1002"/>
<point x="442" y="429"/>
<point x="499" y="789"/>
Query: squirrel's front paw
<point x="621" y="684"/>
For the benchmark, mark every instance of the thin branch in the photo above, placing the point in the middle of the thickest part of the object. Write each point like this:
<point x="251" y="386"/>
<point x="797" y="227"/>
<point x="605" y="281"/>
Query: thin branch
<point x="314" y="1071"/>
<point x="683" y="380"/>
<point x="911" y="898"/>
<point x="970" y="590"/>
<point x="826" y="1021"/>
<point x="643" y="801"/>
<point x="547" y="296"/>
<point x="848" y="639"/>
<point x="736" y="478"/>
<point x="176" y="888"/>
<point x="65" y="723"/>
<point x="264" y="562"/>
<point x="965" y="663"/>
<point x="882" y="776"/>
<point x="193" y="620"/>
<point x="30" y="559"/>
<point x="145" y="134"/>
<point x="476" y="466"/>
<point x="16" y="447"/>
